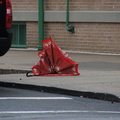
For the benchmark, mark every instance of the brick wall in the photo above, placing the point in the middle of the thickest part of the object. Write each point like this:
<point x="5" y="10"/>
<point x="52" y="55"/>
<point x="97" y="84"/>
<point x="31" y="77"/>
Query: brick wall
<point x="60" y="5"/>
<point x="32" y="34"/>
<point x="84" y="5"/>
<point x="24" y="5"/>
<point x="88" y="37"/>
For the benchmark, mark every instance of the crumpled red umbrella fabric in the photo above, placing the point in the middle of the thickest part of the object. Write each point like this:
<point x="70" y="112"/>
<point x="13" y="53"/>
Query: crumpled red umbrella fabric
<point x="54" y="61"/>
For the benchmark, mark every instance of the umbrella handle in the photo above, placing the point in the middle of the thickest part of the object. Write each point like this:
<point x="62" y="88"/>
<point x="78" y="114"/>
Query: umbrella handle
<point x="27" y="74"/>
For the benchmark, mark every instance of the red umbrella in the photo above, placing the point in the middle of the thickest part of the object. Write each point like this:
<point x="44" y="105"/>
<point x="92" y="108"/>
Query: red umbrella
<point x="54" y="62"/>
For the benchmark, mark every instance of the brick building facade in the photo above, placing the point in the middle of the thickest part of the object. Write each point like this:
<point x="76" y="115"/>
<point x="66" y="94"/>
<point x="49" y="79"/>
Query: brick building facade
<point x="96" y="22"/>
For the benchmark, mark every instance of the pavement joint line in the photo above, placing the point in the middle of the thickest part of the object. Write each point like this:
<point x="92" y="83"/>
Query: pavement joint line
<point x="35" y="98"/>
<point x="92" y="53"/>
<point x="58" y="112"/>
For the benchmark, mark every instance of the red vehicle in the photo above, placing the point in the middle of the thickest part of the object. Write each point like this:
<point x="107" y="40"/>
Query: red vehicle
<point x="5" y="26"/>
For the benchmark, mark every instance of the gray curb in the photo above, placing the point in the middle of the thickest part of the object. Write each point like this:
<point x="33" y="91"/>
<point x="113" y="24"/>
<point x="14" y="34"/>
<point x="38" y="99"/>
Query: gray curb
<point x="100" y="96"/>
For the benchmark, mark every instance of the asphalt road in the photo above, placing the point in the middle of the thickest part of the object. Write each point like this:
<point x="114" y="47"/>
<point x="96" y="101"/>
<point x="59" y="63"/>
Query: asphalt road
<point x="18" y="104"/>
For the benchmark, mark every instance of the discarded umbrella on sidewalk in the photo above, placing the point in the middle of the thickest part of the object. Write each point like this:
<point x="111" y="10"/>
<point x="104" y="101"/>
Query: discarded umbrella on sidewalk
<point x="53" y="62"/>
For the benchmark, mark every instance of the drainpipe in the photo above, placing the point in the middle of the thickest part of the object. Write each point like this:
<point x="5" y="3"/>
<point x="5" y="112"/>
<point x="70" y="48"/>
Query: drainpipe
<point x="40" y="23"/>
<point x="68" y="28"/>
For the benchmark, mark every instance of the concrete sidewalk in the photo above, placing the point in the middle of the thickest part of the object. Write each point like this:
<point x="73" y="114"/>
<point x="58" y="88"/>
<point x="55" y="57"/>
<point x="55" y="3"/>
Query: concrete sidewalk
<point x="100" y="75"/>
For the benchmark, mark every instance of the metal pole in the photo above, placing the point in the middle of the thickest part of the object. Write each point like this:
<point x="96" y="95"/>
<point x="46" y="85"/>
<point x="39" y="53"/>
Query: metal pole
<point x="40" y="23"/>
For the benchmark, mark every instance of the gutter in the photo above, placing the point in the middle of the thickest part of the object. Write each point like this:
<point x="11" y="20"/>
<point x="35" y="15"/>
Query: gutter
<point x="68" y="28"/>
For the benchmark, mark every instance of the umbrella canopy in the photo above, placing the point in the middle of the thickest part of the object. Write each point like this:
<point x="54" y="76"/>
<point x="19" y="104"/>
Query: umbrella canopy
<point x="54" y="61"/>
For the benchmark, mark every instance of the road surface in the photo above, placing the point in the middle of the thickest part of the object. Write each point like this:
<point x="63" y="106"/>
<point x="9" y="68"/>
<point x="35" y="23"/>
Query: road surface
<point x="18" y="104"/>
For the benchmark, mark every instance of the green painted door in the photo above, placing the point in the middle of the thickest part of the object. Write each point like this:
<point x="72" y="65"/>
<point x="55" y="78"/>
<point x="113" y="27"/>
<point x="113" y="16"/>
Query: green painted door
<point x="19" y="35"/>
